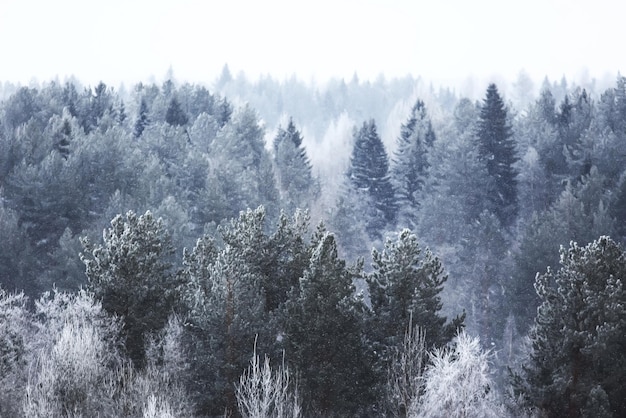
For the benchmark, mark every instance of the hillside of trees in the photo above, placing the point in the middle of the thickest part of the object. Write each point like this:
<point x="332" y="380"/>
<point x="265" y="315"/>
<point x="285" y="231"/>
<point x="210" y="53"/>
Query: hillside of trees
<point x="269" y="249"/>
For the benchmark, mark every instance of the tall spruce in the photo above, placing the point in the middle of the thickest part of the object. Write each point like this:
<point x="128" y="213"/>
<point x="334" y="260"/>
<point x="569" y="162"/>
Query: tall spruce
<point x="498" y="152"/>
<point x="369" y="172"/>
<point x="410" y="162"/>
<point x="295" y="177"/>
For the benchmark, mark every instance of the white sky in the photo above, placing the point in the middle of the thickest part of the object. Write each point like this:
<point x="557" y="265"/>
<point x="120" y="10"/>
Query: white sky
<point x="131" y="40"/>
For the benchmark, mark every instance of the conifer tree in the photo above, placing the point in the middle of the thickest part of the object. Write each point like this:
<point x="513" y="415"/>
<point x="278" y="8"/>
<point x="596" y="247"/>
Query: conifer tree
<point x="497" y="151"/>
<point x="404" y="287"/>
<point x="295" y="176"/>
<point x="369" y="172"/>
<point x="175" y="114"/>
<point x="130" y="272"/>
<point x="142" y="119"/>
<point x="577" y="358"/>
<point x="410" y="162"/>
<point x="322" y="332"/>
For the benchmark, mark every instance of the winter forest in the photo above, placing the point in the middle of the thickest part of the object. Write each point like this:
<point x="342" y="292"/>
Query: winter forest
<point x="280" y="248"/>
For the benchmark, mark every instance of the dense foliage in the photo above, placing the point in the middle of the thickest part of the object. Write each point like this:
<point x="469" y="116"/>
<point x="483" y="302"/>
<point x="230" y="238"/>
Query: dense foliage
<point x="162" y="312"/>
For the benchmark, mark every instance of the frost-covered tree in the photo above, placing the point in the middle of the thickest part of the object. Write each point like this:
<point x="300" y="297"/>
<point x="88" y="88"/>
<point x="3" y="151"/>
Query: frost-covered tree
<point x="226" y="310"/>
<point x="581" y="213"/>
<point x="175" y="114"/>
<point x="497" y="151"/>
<point x="131" y="273"/>
<point x="405" y="375"/>
<point x="369" y="172"/>
<point x="577" y="358"/>
<point x="265" y="393"/>
<point x="458" y="383"/>
<point x="405" y="284"/>
<point x="410" y="162"/>
<point x="73" y="357"/>
<point x="295" y="179"/>
<point x="142" y="119"/>
<point x="15" y="334"/>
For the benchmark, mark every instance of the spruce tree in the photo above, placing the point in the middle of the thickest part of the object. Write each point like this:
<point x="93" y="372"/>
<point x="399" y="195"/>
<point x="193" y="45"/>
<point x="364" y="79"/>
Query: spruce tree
<point x="175" y="115"/>
<point x="410" y="162"/>
<point x="497" y="151"/>
<point x="323" y="334"/>
<point x="369" y="172"/>
<point x="142" y="119"/>
<point x="295" y="177"/>
<point x="578" y="358"/>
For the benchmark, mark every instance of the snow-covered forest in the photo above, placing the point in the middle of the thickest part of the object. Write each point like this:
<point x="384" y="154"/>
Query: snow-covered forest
<point x="276" y="248"/>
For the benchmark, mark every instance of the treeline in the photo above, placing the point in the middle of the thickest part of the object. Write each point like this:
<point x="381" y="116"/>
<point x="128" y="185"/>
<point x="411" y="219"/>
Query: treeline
<point x="494" y="191"/>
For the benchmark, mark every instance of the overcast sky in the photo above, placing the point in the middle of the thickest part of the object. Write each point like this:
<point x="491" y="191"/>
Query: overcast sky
<point x="132" y="40"/>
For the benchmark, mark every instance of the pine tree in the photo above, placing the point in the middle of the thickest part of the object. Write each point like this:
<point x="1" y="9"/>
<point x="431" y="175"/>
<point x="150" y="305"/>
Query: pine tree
<point x="497" y="151"/>
<point x="410" y="162"/>
<point x="578" y="341"/>
<point x="131" y="274"/>
<point x="404" y="287"/>
<point x="369" y="172"/>
<point x="322" y="332"/>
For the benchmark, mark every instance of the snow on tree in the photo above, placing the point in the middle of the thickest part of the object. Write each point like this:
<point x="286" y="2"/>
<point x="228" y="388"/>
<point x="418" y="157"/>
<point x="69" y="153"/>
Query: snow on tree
<point x="410" y="162"/>
<point x="295" y="178"/>
<point x="264" y="393"/>
<point x="458" y="384"/>
<point x="131" y="274"/>
<point x="369" y="172"/>
<point x="577" y="358"/>
<point x="497" y="151"/>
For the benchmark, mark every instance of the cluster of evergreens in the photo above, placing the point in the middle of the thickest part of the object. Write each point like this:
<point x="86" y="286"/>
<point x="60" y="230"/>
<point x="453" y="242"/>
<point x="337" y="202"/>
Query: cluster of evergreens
<point x="189" y="281"/>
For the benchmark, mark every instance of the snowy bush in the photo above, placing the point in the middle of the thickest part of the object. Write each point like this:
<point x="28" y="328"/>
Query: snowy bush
<point x="458" y="384"/>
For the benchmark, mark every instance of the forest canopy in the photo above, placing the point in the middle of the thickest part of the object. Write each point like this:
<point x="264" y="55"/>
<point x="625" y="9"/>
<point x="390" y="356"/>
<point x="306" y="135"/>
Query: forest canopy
<point x="350" y="247"/>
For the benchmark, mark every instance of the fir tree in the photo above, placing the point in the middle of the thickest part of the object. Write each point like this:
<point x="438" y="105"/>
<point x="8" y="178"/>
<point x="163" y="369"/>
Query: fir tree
<point x="369" y="172"/>
<point x="175" y="114"/>
<point x="142" y="119"/>
<point x="410" y="161"/>
<point x="497" y="151"/>
<point x="295" y="176"/>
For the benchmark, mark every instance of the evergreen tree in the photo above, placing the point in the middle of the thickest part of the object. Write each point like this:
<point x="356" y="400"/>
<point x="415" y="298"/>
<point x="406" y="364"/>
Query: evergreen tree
<point x="323" y="334"/>
<point x="497" y="151"/>
<point x="175" y="114"/>
<point x="410" y="162"/>
<point x="369" y="172"/>
<point x="295" y="178"/>
<point x="131" y="274"/>
<point x="578" y="358"/>
<point x="142" y="119"/>
<point x="404" y="287"/>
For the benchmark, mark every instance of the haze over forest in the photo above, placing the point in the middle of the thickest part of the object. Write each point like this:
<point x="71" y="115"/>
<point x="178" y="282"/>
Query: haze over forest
<point x="373" y="209"/>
